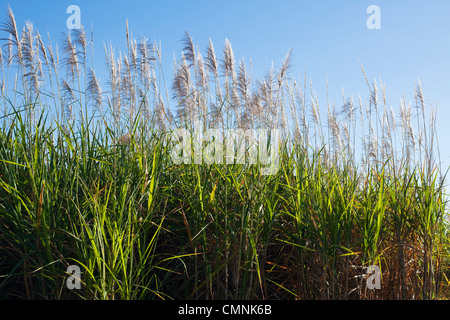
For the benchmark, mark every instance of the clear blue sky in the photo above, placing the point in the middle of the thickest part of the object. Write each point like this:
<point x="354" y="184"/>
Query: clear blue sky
<point x="328" y="39"/>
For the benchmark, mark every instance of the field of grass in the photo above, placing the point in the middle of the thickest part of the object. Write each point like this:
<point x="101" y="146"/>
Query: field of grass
<point x="87" y="178"/>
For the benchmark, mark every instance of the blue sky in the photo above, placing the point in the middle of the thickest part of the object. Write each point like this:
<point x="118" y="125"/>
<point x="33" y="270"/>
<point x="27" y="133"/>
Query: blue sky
<point x="328" y="39"/>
